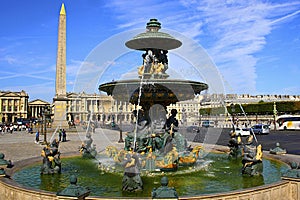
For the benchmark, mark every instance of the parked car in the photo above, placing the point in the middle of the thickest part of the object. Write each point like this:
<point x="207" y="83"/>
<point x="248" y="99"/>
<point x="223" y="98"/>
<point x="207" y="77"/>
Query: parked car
<point x="242" y="131"/>
<point x="261" y="129"/>
<point x="208" y="123"/>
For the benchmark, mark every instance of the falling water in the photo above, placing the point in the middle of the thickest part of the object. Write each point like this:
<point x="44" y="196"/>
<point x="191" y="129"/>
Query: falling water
<point x="244" y="113"/>
<point x="52" y="137"/>
<point x="138" y="108"/>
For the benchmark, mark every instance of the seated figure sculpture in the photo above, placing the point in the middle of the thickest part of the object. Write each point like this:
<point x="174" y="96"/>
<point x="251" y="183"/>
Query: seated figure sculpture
<point x="141" y="130"/>
<point x="164" y="191"/>
<point x="87" y="149"/>
<point x="294" y="172"/>
<point x="74" y="190"/>
<point x="278" y="150"/>
<point x="155" y="64"/>
<point x="51" y="159"/>
<point x="132" y="181"/>
<point x="170" y="127"/>
<point x="172" y="120"/>
<point x="162" y="148"/>
<point x="235" y="146"/>
<point x="4" y="164"/>
<point x="252" y="159"/>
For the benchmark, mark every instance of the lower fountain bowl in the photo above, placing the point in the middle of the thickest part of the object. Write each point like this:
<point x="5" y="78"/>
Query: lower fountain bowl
<point x="213" y="176"/>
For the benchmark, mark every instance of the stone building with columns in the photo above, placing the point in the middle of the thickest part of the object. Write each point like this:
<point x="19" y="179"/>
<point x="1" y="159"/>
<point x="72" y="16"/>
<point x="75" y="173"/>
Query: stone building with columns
<point x="82" y="107"/>
<point x="36" y="107"/>
<point x="13" y="105"/>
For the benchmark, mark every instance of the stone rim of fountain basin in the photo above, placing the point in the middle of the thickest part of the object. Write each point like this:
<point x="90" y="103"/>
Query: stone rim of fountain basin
<point x="12" y="185"/>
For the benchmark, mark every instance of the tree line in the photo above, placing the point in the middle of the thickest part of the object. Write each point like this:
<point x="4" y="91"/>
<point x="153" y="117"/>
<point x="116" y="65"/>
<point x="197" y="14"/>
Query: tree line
<point x="260" y="108"/>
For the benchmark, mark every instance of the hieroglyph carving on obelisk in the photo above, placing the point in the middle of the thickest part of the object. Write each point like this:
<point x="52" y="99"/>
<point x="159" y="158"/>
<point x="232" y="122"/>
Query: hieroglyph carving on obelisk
<point x="60" y="84"/>
<point x="60" y="99"/>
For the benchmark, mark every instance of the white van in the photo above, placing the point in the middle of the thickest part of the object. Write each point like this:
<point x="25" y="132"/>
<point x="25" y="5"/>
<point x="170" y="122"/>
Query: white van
<point x="261" y="129"/>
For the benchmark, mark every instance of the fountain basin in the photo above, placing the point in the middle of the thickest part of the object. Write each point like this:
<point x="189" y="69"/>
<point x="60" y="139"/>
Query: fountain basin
<point x="288" y="188"/>
<point x="218" y="175"/>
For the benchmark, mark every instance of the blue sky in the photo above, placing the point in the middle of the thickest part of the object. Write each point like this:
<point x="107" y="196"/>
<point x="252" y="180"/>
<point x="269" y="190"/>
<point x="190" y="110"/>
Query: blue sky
<point x="254" y="44"/>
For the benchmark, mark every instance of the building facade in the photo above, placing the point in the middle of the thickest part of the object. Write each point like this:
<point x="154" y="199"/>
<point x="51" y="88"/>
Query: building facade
<point x="13" y="105"/>
<point x="82" y="107"/>
<point x="36" y="108"/>
<point x="188" y="111"/>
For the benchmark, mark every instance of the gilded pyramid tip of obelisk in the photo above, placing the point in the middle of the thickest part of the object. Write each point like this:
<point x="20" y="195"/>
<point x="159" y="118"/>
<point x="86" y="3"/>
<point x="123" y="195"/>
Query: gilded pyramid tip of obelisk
<point x="62" y="10"/>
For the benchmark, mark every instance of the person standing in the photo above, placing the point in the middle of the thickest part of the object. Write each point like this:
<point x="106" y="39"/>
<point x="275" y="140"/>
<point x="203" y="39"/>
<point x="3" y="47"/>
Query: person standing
<point x="11" y="128"/>
<point x="59" y="134"/>
<point x="37" y="137"/>
<point x="64" y="135"/>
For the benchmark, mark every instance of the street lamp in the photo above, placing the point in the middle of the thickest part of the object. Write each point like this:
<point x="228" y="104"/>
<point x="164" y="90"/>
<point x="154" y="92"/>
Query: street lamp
<point x="183" y="116"/>
<point x="232" y="106"/>
<point x="275" y="114"/>
<point x="120" y="114"/>
<point x="45" y="112"/>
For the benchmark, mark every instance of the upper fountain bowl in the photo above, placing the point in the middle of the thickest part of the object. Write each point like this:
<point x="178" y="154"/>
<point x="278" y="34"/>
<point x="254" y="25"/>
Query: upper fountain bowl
<point x="153" y="39"/>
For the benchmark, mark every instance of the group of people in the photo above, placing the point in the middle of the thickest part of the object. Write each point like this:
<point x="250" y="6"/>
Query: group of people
<point x="10" y="128"/>
<point x="62" y="135"/>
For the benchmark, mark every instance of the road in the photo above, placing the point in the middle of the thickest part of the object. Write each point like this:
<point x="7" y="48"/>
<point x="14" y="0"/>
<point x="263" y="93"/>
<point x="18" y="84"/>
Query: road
<point x="289" y="140"/>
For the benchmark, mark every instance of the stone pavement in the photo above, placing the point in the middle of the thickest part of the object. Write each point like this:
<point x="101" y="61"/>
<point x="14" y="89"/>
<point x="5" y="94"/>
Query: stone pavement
<point x="21" y="145"/>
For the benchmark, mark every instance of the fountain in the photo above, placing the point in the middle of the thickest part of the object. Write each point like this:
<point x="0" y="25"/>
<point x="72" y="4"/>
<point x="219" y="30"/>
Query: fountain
<point x="152" y="90"/>
<point x="164" y="148"/>
<point x="156" y="147"/>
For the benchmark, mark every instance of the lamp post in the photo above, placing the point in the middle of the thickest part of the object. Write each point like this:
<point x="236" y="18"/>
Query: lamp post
<point x="275" y="114"/>
<point x="120" y="117"/>
<point x="183" y="116"/>
<point x="45" y="111"/>
<point x="232" y="106"/>
<point x="199" y="118"/>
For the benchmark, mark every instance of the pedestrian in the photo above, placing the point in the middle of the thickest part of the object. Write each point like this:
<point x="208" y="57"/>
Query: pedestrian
<point x="11" y="128"/>
<point x="59" y="134"/>
<point x="37" y="137"/>
<point x="64" y="135"/>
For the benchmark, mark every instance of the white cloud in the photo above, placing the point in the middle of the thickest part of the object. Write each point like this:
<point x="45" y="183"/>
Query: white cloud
<point x="35" y="91"/>
<point x="233" y="32"/>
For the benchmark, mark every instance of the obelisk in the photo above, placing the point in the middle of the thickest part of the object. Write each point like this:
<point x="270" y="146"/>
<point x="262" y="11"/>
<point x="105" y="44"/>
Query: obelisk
<point x="60" y="99"/>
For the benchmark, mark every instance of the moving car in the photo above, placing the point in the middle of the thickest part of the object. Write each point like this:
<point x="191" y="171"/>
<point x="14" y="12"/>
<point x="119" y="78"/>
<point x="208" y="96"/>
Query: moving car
<point x="242" y="131"/>
<point x="261" y="129"/>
